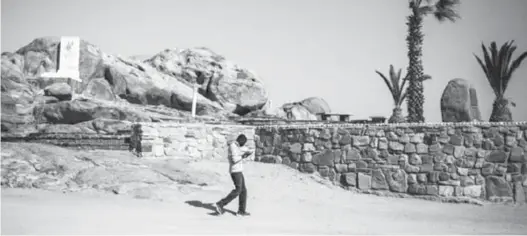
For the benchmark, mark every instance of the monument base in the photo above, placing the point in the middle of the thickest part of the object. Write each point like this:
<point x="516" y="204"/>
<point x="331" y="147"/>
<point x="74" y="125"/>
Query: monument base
<point x="74" y="75"/>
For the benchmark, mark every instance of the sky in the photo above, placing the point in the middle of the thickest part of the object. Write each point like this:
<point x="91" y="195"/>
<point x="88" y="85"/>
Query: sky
<point x="300" y="48"/>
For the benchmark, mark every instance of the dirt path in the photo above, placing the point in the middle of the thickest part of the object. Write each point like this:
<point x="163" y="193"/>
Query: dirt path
<point x="281" y="202"/>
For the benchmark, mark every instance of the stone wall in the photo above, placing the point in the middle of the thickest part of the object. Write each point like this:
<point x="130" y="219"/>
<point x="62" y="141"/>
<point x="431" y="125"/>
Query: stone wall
<point x="484" y="161"/>
<point x="191" y="140"/>
<point x="76" y="140"/>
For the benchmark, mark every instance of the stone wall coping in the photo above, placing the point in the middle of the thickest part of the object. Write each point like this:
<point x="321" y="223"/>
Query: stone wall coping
<point x="401" y="125"/>
<point x="193" y="124"/>
<point x="322" y="124"/>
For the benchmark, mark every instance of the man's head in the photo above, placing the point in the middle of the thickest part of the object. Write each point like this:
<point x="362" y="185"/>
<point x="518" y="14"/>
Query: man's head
<point x="241" y="140"/>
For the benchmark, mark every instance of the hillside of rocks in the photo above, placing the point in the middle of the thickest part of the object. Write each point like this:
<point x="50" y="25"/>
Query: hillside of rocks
<point x="125" y="89"/>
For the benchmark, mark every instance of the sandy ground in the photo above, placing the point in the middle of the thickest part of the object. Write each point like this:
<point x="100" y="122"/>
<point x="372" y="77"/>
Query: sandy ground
<point x="280" y="201"/>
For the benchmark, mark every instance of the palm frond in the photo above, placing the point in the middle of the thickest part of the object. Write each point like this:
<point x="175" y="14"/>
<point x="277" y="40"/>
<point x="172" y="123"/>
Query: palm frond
<point x="386" y="81"/>
<point x="446" y="10"/>
<point x="505" y="60"/>
<point x="396" y="88"/>
<point x="425" y="10"/>
<point x="498" y="66"/>
<point x="489" y="64"/>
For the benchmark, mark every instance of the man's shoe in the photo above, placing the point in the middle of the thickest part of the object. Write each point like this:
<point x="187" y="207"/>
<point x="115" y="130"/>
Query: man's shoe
<point x="243" y="213"/>
<point x="218" y="208"/>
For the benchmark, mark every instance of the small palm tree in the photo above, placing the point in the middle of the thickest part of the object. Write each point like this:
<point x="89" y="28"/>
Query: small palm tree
<point x="398" y="92"/>
<point x="498" y="67"/>
<point x="442" y="10"/>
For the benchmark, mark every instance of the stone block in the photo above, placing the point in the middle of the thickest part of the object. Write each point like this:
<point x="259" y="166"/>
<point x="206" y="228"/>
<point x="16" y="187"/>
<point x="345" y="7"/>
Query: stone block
<point x="352" y="155"/>
<point x="415" y="159"/>
<point x="462" y="171"/>
<point x="410" y="148"/>
<point x="326" y="157"/>
<point x="369" y="153"/>
<point x="421" y="148"/>
<point x="272" y="159"/>
<point x="404" y="138"/>
<point x="479" y="180"/>
<point x="456" y="140"/>
<point x="433" y="177"/>
<point x="308" y="147"/>
<point x="397" y="180"/>
<point x="519" y="193"/>
<point x="440" y="157"/>
<point x="307" y="157"/>
<point x="350" y="179"/>
<point x="422" y="178"/>
<point x="425" y="168"/>
<point x="497" y="187"/>
<point x="450" y="183"/>
<point x="345" y="140"/>
<point x="459" y="151"/>
<point x="474" y="191"/>
<point x="382" y="144"/>
<point x="432" y="190"/>
<point x="427" y="159"/>
<point x="417" y="189"/>
<point x="514" y="168"/>
<point x="517" y="154"/>
<point x="396" y="146"/>
<point x="296" y="148"/>
<point x="359" y="141"/>
<point x="364" y="181"/>
<point x="511" y="141"/>
<point x="467" y="181"/>
<point x="497" y="156"/>
<point x="435" y="148"/>
<point x="446" y="191"/>
<point x="341" y="168"/>
<point x="412" y="179"/>
<point x="417" y="138"/>
<point x="307" y="168"/>
<point x="448" y="149"/>
<point x="379" y="180"/>
<point x="488" y="169"/>
<point x="411" y="169"/>
<point x="498" y="140"/>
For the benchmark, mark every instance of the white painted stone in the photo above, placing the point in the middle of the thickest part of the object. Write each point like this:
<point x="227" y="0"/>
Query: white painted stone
<point x="158" y="150"/>
<point x="68" y="60"/>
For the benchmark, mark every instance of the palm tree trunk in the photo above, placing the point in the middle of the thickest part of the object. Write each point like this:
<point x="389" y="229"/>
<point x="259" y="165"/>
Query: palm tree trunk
<point x="415" y="98"/>
<point x="500" y="111"/>
<point x="397" y="116"/>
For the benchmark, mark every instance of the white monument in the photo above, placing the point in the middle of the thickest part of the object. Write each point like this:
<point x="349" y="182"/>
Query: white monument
<point x="194" y="99"/>
<point x="68" y="60"/>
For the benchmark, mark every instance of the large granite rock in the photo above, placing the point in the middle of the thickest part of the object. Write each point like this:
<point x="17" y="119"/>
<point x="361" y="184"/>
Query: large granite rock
<point x="237" y="89"/>
<point x="306" y="109"/>
<point x="122" y="88"/>
<point x="459" y="102"/>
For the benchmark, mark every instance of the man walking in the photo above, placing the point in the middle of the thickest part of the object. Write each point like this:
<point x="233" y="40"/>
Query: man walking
<point x="235" y="168"/>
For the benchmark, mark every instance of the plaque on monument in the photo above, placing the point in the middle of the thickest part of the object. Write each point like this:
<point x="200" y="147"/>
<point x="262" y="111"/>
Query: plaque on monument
<point x="68" y="63"/>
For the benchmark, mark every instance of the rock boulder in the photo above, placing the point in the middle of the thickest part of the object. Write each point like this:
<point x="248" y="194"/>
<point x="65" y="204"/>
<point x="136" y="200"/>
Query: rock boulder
<point x="459" y="102"/>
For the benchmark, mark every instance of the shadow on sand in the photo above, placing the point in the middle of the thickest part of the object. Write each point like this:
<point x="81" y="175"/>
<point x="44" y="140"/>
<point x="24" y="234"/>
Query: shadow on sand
<point x="207" y="206"/>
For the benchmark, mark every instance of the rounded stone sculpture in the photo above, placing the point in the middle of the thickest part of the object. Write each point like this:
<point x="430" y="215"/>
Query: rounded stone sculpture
<point x="459" y="102"/>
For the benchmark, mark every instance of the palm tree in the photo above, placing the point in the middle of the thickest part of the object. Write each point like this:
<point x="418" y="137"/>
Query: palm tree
<point x="442" y="10"/>
<point x="398" y="93"/>
<point x="498" y="68"/>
